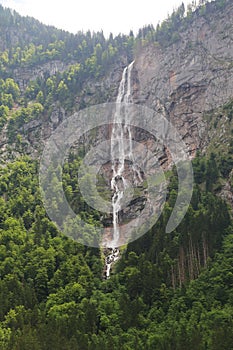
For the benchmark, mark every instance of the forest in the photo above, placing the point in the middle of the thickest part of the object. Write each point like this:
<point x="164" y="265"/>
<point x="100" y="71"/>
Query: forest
<point x="169" y="291"/>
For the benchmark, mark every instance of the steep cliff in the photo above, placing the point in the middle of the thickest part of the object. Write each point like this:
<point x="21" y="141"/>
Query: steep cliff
<point x="190" y="77"/>
<point x="186" y="79"/>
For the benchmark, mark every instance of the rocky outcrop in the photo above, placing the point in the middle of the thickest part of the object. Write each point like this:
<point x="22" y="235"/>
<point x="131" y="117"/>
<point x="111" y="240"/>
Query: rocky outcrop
<point x="23" y="75"/>
<point x="190" y="77"/>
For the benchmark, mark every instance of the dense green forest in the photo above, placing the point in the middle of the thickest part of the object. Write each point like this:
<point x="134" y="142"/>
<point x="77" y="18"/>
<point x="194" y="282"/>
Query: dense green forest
<point x="168" y="291"/>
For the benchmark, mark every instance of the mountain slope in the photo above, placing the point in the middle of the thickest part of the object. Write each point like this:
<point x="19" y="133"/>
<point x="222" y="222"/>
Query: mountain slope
<point x="168" y="290"/>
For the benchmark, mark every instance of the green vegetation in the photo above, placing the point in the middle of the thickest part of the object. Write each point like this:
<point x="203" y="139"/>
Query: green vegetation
<point x="168" y="291"/>
<point x="166" y="285"/>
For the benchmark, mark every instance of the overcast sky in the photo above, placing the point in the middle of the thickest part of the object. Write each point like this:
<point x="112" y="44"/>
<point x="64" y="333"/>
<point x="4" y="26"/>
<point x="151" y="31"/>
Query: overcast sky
<point x="119" y="16"/>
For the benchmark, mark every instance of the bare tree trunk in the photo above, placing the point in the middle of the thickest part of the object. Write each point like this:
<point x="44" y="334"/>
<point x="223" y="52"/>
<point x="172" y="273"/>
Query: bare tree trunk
<point x="173" y="278"/>
<point x="179" y="272"/>
<point x="191" y="258"/>
<point x="182" y="264"/>
<point x="205" y="250"/>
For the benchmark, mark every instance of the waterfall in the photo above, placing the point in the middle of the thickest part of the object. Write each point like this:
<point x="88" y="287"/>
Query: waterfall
<point x="120" y="132"/>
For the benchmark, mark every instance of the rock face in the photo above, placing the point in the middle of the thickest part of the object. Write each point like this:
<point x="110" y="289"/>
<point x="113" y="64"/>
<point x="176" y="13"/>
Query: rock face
<point x="185" y="80"/>
<point x="24" y="75"/>
<point x="190" y="77"/>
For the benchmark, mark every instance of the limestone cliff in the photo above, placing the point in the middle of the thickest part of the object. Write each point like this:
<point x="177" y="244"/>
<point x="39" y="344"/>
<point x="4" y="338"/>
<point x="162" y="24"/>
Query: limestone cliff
<point x="186" y="80"/>
<point x="190" y="77"/>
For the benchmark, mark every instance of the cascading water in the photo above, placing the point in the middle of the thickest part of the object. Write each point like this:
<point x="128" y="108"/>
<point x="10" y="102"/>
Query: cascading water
<point x="121" y="133"/>
<point x="118" y="182"/>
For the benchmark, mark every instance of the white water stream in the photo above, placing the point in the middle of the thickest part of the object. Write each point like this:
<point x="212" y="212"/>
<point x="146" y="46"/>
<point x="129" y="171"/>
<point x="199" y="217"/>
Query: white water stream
<point x="121" y="133"/>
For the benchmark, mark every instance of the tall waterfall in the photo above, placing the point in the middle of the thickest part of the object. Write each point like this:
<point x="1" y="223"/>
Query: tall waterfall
<point x="120" y="151"/>
<point x="118" y="147"/>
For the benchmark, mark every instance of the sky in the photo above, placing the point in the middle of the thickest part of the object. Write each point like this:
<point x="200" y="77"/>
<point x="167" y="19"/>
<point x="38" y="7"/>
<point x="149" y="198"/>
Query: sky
<point x="119" y="16"/>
